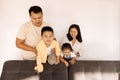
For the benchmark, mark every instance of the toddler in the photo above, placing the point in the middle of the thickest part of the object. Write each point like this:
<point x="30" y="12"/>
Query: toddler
<point x="67" y="55"/>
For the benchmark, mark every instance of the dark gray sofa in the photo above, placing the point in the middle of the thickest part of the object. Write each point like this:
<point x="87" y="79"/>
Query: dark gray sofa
<point x="81" y="70"/>
<point x="94" y="70"/>
<point x="24" y="70"/>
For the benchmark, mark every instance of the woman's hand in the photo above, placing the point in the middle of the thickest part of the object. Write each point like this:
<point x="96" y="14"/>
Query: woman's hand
<point x="77" y="54"/>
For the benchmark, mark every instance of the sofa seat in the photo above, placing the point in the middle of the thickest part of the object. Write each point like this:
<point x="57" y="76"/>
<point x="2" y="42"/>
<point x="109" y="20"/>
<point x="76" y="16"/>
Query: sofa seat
<point x="81" y="70"/>
<point x="94" y="70"/>
<point x="24" y="70"/>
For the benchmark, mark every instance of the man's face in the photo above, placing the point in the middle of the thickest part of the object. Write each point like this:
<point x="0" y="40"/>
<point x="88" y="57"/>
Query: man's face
<point x="36" y="18"/>
<point x="48" y="37"/>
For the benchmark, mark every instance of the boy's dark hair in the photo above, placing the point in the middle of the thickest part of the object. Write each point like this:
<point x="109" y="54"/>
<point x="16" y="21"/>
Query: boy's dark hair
<point x="78" y="37"/>
<point x="46" y="28"/>
<point x="35" y="9"/>
<point x="66" y="46"/>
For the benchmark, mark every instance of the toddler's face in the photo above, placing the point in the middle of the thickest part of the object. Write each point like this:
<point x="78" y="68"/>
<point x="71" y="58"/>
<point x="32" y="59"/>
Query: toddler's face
<point x="48" y="37"/>
<point x="67" y="52"/>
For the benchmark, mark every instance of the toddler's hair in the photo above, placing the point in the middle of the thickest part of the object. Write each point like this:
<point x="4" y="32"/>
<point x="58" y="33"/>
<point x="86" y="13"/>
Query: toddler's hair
<point x="66" y="46"/>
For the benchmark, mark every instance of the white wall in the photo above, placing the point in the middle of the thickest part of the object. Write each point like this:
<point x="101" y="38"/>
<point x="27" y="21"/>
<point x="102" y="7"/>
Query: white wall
<point x="99" y="21"/>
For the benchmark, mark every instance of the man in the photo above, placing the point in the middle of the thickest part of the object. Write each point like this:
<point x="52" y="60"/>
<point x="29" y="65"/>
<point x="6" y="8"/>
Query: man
<point x="30" y="33"/>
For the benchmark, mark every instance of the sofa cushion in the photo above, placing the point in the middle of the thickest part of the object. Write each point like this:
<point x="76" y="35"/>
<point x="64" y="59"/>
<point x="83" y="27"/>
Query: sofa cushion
<point x="24" y="70"/>
<point x="81" y="70"/>
<point x="94" y="70"/>
<point x="54" y="72"/>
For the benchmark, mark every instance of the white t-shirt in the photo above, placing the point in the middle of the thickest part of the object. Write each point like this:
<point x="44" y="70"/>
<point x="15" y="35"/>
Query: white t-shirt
<point x="49" y="50"/>
<point x="77" y="47"/>
<point x="31" y="34"/>
<point x="70" y="56"/>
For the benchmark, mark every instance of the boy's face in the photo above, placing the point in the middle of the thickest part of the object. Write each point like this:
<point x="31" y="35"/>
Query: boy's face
<point x="48" y="37"/>
<point x="67" y="52"/>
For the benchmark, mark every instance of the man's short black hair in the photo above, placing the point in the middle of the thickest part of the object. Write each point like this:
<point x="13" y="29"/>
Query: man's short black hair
<point x="46" y="28"/>
<point x="35" y="9"/>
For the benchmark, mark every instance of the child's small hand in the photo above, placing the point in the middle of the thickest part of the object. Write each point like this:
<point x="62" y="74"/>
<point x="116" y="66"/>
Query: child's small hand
<point x="66" y="64"/>
<point x="36" y="70"/>
<point x="72" y="61"/>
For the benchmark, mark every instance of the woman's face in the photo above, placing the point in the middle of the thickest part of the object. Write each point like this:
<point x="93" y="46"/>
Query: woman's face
<point x="73" y="33"/>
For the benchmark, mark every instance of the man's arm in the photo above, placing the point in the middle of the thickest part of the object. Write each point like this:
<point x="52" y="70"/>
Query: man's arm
<point x="20" y="44"/>
<point x="57" y="59"/>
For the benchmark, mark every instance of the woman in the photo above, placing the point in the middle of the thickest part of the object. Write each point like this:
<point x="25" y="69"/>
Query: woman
<point x="74" y="38"/>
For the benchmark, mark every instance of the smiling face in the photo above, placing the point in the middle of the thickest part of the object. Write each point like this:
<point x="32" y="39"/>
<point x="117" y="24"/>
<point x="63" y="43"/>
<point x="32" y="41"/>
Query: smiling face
<point x="48" y="37"/>
<point x="73" y="33"/>
<point x="36" y="18"/>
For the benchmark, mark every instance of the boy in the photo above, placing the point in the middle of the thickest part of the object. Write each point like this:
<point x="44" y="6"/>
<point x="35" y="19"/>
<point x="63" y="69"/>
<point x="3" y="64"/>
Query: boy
<point x="67" y="56"/>
<point x="44" y="47"/>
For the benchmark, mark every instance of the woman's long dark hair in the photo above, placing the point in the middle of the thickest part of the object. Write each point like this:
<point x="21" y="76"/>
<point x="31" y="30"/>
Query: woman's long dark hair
<point x="78" y="37"/>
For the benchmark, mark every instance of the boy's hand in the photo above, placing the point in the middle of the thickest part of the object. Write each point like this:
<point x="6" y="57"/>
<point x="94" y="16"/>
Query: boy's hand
<point x="72" y="61"/>
<point x="66" y="64"/>
<point x="36" y="70"/>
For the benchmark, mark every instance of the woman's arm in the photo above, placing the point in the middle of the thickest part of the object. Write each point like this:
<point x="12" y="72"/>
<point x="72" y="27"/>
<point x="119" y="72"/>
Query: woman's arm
<point x="57" y="60"/>
<point x="78" y="49"/>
